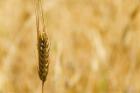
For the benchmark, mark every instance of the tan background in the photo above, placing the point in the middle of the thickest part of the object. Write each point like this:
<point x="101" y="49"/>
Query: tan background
<point x="95" y="46"/>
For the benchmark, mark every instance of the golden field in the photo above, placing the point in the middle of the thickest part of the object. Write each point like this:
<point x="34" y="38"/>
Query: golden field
<point x="95" y="46"/>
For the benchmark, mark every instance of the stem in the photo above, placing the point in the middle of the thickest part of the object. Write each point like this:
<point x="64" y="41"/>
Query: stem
<point x="42" y="86"/>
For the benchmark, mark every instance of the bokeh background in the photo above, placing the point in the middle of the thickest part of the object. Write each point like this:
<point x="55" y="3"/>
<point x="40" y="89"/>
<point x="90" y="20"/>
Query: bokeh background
<point x="95" y="46"/>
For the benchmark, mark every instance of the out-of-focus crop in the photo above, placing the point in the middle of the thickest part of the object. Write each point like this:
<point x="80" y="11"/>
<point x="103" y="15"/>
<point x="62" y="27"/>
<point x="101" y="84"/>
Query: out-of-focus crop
<point x="94" y="46"/>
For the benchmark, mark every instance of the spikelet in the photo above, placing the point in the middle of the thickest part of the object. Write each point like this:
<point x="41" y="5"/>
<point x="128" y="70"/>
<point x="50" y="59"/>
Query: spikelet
<point x="42" y="43"/>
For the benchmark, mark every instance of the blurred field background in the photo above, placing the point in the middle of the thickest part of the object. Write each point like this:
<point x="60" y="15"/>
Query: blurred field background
<point x="95" y="46"/>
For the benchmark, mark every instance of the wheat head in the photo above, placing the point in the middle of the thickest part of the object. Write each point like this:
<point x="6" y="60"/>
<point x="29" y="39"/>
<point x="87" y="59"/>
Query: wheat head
<point x="42" y="43"/>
